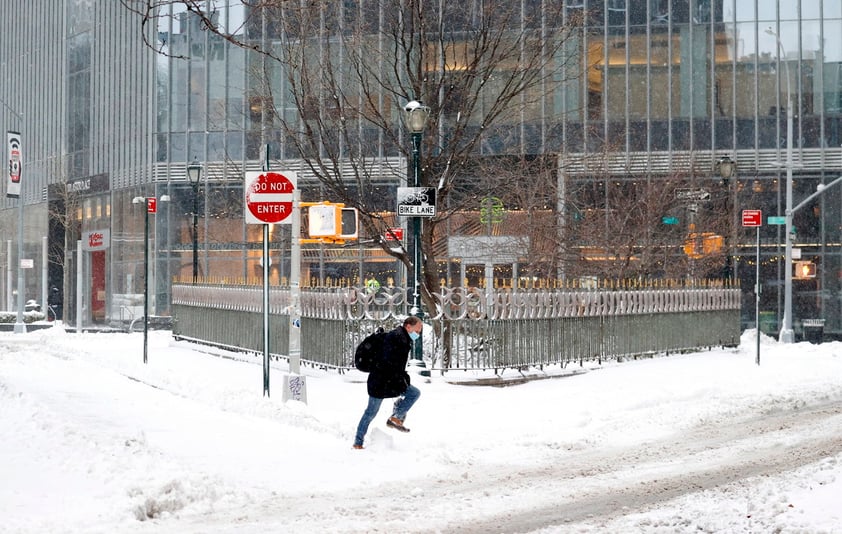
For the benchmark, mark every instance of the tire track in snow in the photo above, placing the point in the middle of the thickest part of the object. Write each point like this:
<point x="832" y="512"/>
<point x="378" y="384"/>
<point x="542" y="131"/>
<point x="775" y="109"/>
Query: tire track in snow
<point x="598" y="484"/>
<point x="712" y="455"/>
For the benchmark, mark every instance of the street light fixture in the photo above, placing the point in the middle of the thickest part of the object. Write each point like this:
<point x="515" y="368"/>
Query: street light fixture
<point x="787" y="334"/>
<point x="194" y="174"/>
<point x="727" y="171"/>
<point x="416" y="120"/>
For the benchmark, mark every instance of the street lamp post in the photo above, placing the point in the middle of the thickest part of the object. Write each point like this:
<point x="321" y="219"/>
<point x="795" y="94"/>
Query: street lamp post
<point x="416" y="120"/>
<point x="194" y="174"/>
<point x="787" y="334"/>
<point x="16" y="168"/>
<point x="727" y="171"/>
<point x="20" y="326"/>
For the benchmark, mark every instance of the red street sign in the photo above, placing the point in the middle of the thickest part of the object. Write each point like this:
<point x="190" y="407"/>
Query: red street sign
<point x="395" y="233"/>
<point x="752" y="218"/>
<point x="151" y="205"/>
<point x="268" y="197"/>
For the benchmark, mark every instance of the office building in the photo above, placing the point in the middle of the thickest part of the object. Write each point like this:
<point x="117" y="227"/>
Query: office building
<point x="660" y="92"/>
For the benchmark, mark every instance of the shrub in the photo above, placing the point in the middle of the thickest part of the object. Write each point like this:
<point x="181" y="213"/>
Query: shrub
<point x="28" y="317"/>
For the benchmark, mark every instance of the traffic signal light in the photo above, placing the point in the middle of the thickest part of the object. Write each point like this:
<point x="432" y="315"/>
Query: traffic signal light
<point x="331" y="221"/>
<point x="805" y="270"/>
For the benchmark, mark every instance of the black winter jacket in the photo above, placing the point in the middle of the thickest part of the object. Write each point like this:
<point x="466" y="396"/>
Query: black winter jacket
<point x="389" y="377"/>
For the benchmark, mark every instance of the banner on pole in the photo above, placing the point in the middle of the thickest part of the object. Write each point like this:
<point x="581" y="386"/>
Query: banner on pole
<point x="15" y="164"/>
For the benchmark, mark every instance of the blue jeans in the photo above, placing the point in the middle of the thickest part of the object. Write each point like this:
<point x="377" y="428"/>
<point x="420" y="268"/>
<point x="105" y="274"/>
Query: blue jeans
<point x="402" y="405"/>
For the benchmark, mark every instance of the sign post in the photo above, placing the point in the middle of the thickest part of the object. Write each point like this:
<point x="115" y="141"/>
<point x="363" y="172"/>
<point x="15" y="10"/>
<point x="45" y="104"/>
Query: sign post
<point x="754" y="218"/>
<point x="268" y="199"/>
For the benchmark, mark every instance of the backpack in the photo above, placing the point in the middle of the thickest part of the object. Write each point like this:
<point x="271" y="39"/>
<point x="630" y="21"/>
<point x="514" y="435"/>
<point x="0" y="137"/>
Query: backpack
<point x="369" y="350"/>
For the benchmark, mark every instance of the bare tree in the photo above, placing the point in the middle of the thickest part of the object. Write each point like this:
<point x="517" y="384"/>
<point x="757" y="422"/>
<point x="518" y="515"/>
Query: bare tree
<point x="515" y="197"/>
<point x="63" y="210"/>
<point x="671" y="227"/>
<point x="347" y="69"/>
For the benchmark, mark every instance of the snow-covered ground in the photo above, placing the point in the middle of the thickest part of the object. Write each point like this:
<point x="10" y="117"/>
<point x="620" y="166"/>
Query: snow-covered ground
<point x="93" y="440"/>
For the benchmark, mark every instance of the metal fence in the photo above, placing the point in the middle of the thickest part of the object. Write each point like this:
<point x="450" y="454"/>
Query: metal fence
<point x="472" y="328"/>
<point x="230" y="317"/>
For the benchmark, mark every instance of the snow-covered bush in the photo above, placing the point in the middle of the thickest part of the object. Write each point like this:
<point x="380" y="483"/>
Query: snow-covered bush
<point x="28" y="317"/>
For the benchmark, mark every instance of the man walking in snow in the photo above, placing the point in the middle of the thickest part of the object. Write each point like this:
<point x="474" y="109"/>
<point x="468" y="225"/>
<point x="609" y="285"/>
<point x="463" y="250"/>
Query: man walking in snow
<point x="389" y="379"/>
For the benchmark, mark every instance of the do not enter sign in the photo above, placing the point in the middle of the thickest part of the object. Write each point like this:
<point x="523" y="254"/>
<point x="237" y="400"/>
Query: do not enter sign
<point x="268" y="197"/>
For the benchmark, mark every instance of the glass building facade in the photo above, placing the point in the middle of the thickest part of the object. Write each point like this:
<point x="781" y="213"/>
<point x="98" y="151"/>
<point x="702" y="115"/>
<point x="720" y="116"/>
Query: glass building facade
<point x="658" y="89"/>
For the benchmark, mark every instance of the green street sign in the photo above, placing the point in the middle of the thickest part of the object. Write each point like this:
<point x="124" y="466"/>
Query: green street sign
<point x="775" y="220"/>
<point x="669" y="220"/>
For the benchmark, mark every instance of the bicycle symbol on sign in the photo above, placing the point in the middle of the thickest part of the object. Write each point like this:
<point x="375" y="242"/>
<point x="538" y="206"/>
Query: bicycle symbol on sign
<point x="419" y="197"/>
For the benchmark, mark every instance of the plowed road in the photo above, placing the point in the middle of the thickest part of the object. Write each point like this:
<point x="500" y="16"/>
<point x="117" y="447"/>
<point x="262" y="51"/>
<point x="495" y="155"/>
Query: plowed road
<point x="600" y="483"/>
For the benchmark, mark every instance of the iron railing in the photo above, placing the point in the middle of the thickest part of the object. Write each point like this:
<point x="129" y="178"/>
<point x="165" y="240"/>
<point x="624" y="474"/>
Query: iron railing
<point x="472" y="328"/>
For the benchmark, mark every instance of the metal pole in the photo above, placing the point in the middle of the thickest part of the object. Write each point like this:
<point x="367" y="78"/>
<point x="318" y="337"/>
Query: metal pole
<point x="9" y="300"/>
<point x="80" y="256"/>
<point x="417" y="309"/>
<point x="20" y="326"/>
<point x="295" y="286"/>
<point x="266" y="310"/>
<point x="757" y="295"/>
<point x="821" y="188"/>
<point x="195" y="232"/>
<point x="266" y="363"/>
<point x="44" y="272"/>
<point x="145" y="280"/>
<point x="734" y="222"/>
<point x="786" y="334"/>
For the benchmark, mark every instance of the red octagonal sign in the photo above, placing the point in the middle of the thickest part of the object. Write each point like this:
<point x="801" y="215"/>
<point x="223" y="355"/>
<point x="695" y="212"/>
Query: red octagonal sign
<point x="268" y="197"/>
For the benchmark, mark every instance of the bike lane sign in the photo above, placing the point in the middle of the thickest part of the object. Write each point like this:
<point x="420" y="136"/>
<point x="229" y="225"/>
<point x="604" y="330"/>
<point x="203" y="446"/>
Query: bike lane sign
<point x="416" y="201"/>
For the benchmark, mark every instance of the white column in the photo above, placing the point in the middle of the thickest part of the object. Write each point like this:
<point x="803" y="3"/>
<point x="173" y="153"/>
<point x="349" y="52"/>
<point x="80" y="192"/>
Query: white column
<point x="9" y="302"/>
<point x="79" y="273"/>
<point x="44" y="263"/>
<point x="295" y="286"/>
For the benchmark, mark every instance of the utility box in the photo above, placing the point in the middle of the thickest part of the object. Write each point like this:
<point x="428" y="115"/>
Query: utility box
<point x="813" y="330"/>
<point x="769" y="323"/>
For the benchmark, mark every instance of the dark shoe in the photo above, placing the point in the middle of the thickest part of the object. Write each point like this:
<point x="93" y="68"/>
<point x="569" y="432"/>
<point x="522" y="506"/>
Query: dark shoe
<point x="358" y="446"/>
<point x="396" y="423"/>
